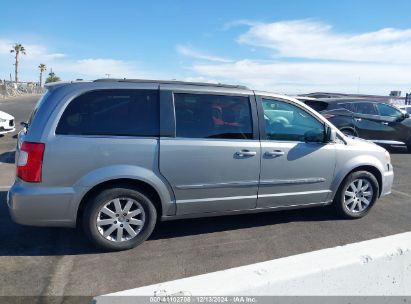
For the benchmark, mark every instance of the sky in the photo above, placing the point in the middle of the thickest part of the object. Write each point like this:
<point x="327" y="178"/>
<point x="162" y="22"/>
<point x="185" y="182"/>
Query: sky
<point x="290" y="47"/>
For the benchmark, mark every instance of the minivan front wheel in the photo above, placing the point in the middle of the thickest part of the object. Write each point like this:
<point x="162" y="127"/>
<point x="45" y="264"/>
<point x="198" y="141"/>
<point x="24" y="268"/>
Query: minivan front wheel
<point x="119" y="219"/>
<point x="356" y="195"/>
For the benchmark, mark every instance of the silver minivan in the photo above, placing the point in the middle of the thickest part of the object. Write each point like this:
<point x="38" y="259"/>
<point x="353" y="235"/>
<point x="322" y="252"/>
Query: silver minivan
<point x="115" y="156"/>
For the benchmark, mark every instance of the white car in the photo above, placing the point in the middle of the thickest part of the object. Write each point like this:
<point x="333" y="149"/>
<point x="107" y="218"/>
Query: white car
<point x="405" y="109"/>
<point x="6" y="123"/>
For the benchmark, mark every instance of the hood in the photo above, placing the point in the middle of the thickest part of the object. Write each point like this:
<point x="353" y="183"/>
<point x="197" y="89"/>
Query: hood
<point x="4" y="115"/>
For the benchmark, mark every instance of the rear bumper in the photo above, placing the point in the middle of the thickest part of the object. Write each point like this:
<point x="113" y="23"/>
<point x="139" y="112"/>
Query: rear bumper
<point x="387" y="180"/>
<point x="41" y="206"/>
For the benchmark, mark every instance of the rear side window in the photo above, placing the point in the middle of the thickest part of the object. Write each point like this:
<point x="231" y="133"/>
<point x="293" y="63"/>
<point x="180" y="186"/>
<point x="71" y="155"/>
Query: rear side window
<point x="213" y="116"/>
<point x="316" y="105"/>
<point x="347" y="106"/>
<point x="367" y="108"/>
<point x="112" y="112"/>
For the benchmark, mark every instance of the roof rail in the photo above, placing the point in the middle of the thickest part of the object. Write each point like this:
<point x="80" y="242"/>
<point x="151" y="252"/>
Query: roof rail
<point x="172" y="82"/>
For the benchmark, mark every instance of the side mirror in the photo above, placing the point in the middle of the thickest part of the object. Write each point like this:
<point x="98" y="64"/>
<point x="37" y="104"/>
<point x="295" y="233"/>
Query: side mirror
<point x="331" y="135"/>
<point x="406" y="115"/>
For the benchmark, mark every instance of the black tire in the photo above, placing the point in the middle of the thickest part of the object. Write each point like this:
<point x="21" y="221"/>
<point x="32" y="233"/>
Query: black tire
<point x="94" y="207"/>
<point x="409" y="148"/>
<point x="340" y="197"/>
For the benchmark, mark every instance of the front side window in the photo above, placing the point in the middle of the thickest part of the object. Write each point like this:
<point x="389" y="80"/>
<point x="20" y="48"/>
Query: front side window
<point x="386" y="110"/>
<point x="213" y="116"/>
<point x="112" y="112"/>
<point x="287" y="122"/>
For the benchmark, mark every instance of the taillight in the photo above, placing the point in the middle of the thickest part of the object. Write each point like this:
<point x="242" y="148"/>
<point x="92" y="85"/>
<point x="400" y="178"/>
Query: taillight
<point x="328" y="116"/>
<point x="30" y="161"/>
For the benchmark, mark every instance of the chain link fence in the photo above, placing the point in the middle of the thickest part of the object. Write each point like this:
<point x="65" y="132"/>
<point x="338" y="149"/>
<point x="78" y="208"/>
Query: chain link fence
<point x="11" y="89"/>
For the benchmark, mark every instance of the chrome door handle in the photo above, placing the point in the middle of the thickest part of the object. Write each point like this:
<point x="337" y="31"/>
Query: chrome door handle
<point x="274" y="153"/>
<point x="385" y="123"/>
<point x="357" y="119"/>
<point x="244" y="153"/>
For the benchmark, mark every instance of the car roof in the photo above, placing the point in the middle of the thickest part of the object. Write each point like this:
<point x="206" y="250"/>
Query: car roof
<point x="167" y="84"/>
<point x="178" y="82"/>
<point x="345" y="99"/>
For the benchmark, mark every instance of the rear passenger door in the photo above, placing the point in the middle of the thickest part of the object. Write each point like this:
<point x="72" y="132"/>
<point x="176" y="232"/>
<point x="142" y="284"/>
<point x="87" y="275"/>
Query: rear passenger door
<point x="209" y="149"/>
<point x="366" y="119"/>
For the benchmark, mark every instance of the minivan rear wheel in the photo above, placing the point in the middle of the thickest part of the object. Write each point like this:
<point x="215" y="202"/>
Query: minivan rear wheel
<point x="356" y="195"/>
<point x="119" y="219"/>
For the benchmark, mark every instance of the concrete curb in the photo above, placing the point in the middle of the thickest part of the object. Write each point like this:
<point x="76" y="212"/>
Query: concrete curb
<point x="375" y="267"/>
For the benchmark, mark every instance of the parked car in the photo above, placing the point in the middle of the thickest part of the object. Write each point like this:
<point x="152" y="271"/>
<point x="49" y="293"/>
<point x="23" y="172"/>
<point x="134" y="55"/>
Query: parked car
<point x="376" y="121"/>
<point x="115" y="156"/>
<point x="405" y="109"/>
<point x="6" y="123"/>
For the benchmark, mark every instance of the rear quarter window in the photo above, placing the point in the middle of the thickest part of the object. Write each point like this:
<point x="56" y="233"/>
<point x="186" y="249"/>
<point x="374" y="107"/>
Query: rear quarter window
<point x="112" y="112"/>
<point x="37" y="106"/>
<point x="317" y="105"/>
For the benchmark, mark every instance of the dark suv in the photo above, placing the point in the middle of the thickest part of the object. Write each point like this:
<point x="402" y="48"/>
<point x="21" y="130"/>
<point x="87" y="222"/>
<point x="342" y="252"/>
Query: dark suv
<point x="379" y="122"/>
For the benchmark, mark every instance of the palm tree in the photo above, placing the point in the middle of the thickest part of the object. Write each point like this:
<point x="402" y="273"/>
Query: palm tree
<point x="17" y="49"/>
<point x="52" y="77"/>
<point x="42" y="68"/>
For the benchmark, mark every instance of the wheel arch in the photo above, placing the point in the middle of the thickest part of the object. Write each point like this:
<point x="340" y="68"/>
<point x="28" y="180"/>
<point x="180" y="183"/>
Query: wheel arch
<point x="351" y="129"/>
<point x="366" y="167"/>
<point x="130" y="183"/>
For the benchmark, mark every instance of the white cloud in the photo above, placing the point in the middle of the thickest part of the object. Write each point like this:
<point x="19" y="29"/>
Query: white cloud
<point x="98" y="67"/>
<point x="322" y="59"/>
<point x="316" y="40"/>
<point x="304" y="77"/>
<point x="63" y="65"/>
<point x="196" y="54"/>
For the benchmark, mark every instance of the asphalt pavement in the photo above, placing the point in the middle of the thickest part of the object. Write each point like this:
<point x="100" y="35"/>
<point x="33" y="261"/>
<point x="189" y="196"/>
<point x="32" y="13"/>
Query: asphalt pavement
<point x="56" y="261"/>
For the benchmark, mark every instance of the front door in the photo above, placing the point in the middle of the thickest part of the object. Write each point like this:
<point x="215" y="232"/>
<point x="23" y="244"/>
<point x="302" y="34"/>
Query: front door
<point x="395" y="129"/>
<point x="213" y="161"/>
<point x="297" y="167"/>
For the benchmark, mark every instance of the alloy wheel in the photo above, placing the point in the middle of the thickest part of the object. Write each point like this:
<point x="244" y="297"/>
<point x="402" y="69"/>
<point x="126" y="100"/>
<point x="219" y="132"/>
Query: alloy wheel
<point x="358" y="195"/>
<point x="120" y="219"/>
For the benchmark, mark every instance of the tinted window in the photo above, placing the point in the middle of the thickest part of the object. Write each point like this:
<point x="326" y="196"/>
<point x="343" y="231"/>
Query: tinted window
<point x="386" y="110"/>
<point x="284" y="121"/>
<point x="347" y="106"/>
<point x="367" y="108"/>
<point x="213" y="116"/>
<point x="317" y="105"/>
<point x="112" y="112"/>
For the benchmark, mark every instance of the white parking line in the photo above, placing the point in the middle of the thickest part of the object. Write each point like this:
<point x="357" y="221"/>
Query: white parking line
<point x="400" y="192"/>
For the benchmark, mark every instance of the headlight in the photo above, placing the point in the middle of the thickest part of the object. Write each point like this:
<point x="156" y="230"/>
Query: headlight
<point x="387" y="157"/>
<point x="2" y="120"/>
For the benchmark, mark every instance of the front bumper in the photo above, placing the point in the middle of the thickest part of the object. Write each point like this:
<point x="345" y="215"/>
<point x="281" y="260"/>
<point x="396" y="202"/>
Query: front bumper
<point x="4" y="130"/>
<point x="41" y="206"/>
<point x="387" y="180"/>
